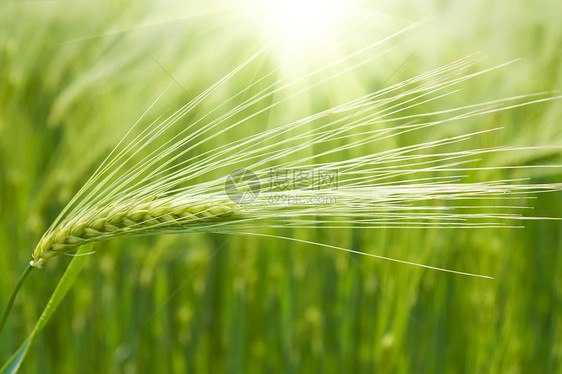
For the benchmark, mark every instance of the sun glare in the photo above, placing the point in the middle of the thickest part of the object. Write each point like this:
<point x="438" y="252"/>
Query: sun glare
<point x="302" y="25"/>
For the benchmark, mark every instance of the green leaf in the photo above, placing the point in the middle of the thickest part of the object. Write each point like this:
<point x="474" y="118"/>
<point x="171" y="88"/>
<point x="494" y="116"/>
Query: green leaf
<point x="67" y="280"/>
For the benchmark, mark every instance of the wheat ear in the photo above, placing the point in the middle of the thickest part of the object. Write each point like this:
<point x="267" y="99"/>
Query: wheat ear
<point x="114" y="220"/>
<point x="398" y="187"/>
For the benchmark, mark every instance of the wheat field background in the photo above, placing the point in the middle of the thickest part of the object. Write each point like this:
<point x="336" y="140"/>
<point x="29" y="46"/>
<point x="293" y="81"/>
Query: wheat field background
<point x="74" y="77"/>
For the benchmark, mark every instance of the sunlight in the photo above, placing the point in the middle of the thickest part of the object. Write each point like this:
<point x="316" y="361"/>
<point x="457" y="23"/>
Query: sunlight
<point x="301" y="25"/>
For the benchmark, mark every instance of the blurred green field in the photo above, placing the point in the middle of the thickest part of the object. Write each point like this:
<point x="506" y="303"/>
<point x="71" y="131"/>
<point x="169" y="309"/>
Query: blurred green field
<point x="75" y="76"/>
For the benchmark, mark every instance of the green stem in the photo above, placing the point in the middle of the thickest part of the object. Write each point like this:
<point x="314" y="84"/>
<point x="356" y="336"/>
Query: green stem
<point x="13" y="297"/>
